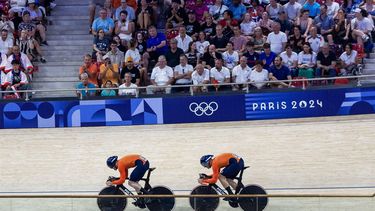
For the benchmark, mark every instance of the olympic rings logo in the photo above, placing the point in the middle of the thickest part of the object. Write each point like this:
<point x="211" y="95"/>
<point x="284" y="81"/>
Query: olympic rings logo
<point x="203" y="108"/>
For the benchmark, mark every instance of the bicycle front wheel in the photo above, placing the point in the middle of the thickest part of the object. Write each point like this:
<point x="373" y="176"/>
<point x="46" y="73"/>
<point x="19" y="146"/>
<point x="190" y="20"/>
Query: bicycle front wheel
<point x="107" y="204"/>
<point x="204" y="204"/>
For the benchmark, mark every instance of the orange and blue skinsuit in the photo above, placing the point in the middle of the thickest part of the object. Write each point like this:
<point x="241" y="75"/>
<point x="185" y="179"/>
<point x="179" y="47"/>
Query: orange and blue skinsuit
<point x="129" y="161"/>
<point x="231" y="163"/>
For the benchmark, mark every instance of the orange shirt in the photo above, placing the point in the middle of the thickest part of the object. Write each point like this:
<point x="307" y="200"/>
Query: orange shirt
<point x="93" y="70"/>
<point x="130" y="3"/>
<point x="124" y="164"/>
<point x="218" y="162"/>
<point x="110" y="75"/>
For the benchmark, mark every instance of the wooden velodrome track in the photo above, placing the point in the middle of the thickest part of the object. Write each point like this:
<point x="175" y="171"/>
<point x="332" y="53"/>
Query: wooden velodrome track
<point x="315" y="155"/>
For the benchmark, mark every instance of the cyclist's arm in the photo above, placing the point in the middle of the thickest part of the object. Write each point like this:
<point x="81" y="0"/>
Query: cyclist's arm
<point x="123" y="176"/>
<point x="215" y="176"/>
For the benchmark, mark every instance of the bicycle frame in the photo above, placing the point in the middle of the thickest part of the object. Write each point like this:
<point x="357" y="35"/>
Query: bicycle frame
<point x="240" y="185"/>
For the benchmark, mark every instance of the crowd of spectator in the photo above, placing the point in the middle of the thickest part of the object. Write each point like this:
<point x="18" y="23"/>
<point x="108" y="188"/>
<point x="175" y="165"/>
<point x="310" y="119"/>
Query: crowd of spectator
<point x="152" y="43"/>
<point x="23" y="28"/>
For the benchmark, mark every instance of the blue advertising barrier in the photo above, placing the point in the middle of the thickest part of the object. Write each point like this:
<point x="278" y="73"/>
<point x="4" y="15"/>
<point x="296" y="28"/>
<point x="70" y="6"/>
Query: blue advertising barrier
<point x="187" y="109"/>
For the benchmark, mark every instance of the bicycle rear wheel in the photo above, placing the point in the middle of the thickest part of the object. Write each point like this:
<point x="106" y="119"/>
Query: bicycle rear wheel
<point x="160" y="204"/>
<point x="204" y="204"/>
<point x="111" y="204"/>
<point x="253" y="203"/>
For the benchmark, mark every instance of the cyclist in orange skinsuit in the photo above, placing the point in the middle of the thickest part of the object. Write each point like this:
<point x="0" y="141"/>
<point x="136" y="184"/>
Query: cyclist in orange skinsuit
<point x="232" y="165"/>
<point x="141" y="165"/>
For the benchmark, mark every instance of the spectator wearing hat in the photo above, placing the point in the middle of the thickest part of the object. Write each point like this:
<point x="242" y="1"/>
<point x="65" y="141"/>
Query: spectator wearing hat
<point x="103" y="23"/>
<point x="361" y="26"/>
<point x="91" y="69"/>
<point x="109" y="71"/>
<point x="134" y="71"/>
<point x="36" y="16"/>
<point x="128" y="87"/>
<point x="85" y="85"/>
<point x="131" y="13"/>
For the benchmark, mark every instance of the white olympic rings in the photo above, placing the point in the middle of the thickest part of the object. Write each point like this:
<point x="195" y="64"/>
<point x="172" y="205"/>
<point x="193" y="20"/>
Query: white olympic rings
<point x="203" y="108"/>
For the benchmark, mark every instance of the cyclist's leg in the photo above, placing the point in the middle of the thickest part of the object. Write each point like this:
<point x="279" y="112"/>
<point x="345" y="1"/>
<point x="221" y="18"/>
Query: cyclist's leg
<point x="137" y="174"/>
<point x="229" y="173"/>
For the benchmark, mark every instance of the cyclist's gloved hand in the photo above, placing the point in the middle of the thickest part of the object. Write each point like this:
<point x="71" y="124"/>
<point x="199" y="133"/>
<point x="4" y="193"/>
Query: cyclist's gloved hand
<point x="109" y="183"/>
<point x="200" y="181"/>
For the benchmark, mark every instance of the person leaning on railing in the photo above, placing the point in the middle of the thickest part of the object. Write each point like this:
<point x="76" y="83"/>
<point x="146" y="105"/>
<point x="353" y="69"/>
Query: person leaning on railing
<point x="200" y="76"/>
<point x="162" y="75"/>
<point x="85" y="84"/>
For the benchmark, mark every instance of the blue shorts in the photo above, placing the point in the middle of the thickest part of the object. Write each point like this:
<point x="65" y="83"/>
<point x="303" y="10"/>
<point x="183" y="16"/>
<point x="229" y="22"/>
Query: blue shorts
<point x="233" y="168"/>
<point x="139" y="170"/>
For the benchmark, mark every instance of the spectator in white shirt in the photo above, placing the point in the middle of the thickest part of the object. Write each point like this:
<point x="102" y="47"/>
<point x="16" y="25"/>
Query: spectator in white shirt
<point x="199" y="77"/>
<point x="240" y="74"/>
<point x="183" y="39"/>
<point x="348" y="60"/>
<point x="162" y="75"/>
<point x="277" y="39"/>
<point x="290" y="59"/>
<point x="258" y="75"/>
<point x="219" y="75"/>
<point x="315" y="40"/>
<point x="6" y="43"/>
<point x="202" y="43"/>
<point x="248" y="25"/>
<point x="306" y="62"/>
<point x="182" y="74"/>
<point x="127" y="88"/>
<point x="361" y="26"/>
<point x="230" y="56"/>
<point x="293" y="10"/>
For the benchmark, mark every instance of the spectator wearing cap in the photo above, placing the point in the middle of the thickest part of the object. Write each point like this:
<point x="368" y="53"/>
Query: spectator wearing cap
<point x="85" y="85"/>
<point x="293" y="10"/>
<point x="104" y="23"/>
<point x="273" y="9"/>
<point x="116" y="56"/>
<point x="176" y="15"/>
<point x="325" y="24"/>
<point x="7" y="24"/>
<point x="183" y="39"/>
<point x="361" y="26"/>
<point x="162" y="75"/>
<point x="134" y="71"/>
<point x="36" y="16"/>
<point x="124" y="6"/>
<point x="15" y="79"/>
<point x="313" y="7"/>
<point x="124" y="28"/>
<point x="277" y="39"/>
<point x="285" y="24"/>
<point x="128" y="87"/>
<point x="91" y="69"/>
<point x="6" y="43"/>
<point x="109" y="71"/>
<point x="192" y="26"/>
<point x="238" y="9"/>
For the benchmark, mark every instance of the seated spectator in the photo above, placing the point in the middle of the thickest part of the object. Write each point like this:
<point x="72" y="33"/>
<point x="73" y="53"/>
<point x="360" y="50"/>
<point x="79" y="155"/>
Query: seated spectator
<point x="6" y="43"/>
<point x="134" y="71"/>
<point x="116" y="56"/>
<point x="176" y="15"/>
<point x="36" y="16"/>
<point x="341" y="29"/>
<point x="183" y="39"/>
<point x="306" y="62"/>
<point x="109" y="71"/>
<point x="316" y="40"/>
<point x="17" y="6"/>
<point x="124" y="28"/>
<point x="182" y="74"/>
<point x="219" y="40"/>
<point x="120" y="46"/>
<point x="109" y="91"/>
<point x="278" y="73"/>
<point x="133" y="53"/>
<point x="273" y="9"/>
<point x="173" y="53"/>
<point x="162" y="75"/>
<point x="241" y="74"/>
<point x="361" y="26"/>
<point x="304" y="22"/>
<point x="313" y="8"/>
<point x="277" y="39"/>
<point x="208" y="59"/>
<point x="348" y="63"/>
<point x="124" y="7"/>
<point x="258" y="76"/>
<point x="91" y="69"/>
<point x="290" y="60"/>
<point x="109" y="8"/>
<point x="26" y="65"/>
<point x="217" y="10"/>
<point x="144" y="15"/>
<point x="267" y="56"/>
<point x="238" y="9"/>
<point x="248" y="25"/>
<point x="141" y="45"/>
<point x="200" y="76"/>
<point x="332" y="8"/>
<point x="326" y="63"/>
<point x="92" y="8"/>
<point x="202" y="43"/>
<point x="238" y="40"/>
<point x="156" y="45"/>
<point x="29" y="46"/>
<point x="296" y="40"/>
<point x="6" y="24"/>
<point x="85" y="84"/>
<point x="15" y="79"/>
<point x="325" y="24"/>
<point x="127" y="88"/>
<point x="285" y="24"/>
<point x="293" y="10"/>
<point x="250" y="54"/>
<point x="192" y="55"/>
<point x="27" y="24"/>
<point x="200" y="10"/>
<point x="256" y="10"/>
<point x="230" y="57"/>
<point x="209" y="27"/>
<point x="219" y="75"/>
<point x="192" y="26"/>
<point x="103" y="23"/>
<point x="265" y="23"/>
<point x="259" y="39"/>
<point x="100" y="46"/>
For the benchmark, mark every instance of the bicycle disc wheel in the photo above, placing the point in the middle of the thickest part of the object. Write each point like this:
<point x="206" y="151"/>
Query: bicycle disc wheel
<point x="111" y="204"/>
<point x="160" y="204"/>
<point x="204" y="204"/>
<point x="253" y="203"/>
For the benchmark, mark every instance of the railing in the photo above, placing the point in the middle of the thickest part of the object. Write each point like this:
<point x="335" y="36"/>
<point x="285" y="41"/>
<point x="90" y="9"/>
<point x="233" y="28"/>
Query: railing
<point x="304" y="81"/>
